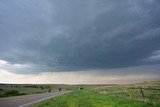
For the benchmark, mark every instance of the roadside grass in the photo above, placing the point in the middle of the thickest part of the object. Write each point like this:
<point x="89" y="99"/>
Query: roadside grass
<point x="11" y="93"/>
<point x="90" y="98"/>
<point x="151" y="91"/>
<point x="9" y="90"/>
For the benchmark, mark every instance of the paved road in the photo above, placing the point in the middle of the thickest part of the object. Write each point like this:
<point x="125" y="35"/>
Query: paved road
<point x="25" y="101"/>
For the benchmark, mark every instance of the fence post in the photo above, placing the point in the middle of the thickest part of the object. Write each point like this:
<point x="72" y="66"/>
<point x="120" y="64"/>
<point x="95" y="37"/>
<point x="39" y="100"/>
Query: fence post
<point x="142" y="93"/>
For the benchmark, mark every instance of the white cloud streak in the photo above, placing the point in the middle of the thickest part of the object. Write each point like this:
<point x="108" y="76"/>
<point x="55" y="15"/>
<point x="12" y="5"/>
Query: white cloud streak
<point x="12" y="67"/>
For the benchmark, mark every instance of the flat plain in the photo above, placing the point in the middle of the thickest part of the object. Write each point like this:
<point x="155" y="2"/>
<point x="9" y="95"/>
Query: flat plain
<point x="146" y="94"/>
<point x="143" y="94"/>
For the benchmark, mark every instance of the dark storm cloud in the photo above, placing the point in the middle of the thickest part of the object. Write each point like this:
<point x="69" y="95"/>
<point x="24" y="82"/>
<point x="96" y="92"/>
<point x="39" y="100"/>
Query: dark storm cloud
<point x="77" y="35"/>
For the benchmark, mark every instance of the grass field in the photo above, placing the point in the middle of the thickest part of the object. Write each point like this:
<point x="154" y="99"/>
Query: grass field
<point x="8" y="90"/>
<point x="90" y="98"/>
<point x="146" y="94"/>
<point x="146" y="91"/>
<point x="109" y="96"/>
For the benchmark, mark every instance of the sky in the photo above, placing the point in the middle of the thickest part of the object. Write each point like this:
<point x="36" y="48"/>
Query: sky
<point x="79" y="42"/>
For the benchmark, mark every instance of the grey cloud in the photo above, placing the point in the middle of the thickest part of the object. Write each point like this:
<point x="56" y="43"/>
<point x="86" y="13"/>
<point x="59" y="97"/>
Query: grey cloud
<point x="77" y="35"/>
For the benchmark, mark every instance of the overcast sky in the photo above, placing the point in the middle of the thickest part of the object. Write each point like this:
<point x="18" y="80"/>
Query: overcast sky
<point x="91" y="41"/>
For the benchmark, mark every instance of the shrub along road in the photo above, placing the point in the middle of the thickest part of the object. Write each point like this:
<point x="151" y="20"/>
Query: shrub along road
<point x="27" y="100"/>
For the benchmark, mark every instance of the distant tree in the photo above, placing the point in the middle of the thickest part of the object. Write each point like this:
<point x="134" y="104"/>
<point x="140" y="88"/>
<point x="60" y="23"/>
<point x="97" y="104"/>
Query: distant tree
<point x="42" y="88"/>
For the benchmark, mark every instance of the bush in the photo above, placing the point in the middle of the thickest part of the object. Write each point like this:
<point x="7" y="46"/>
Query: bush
<point x="81" y="88"/>
<point x="49" y="90"/>
<point x="12" y="92"/>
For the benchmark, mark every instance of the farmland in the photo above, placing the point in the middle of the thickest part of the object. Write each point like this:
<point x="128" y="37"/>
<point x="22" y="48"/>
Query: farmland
<point x="129" y="95"/>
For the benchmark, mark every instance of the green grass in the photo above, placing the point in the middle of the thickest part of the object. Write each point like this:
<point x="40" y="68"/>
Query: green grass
<point x="12" y="93"/>
<point x="90" y="98"/>
<point x="151" y="91"/>
<point x="9" y="90"/>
